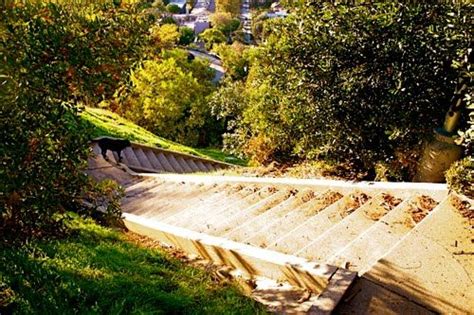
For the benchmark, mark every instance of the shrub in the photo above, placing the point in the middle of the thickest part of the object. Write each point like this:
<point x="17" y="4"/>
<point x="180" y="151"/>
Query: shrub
<point x="186" y="35"/>
<point x="460" y="177"/>
<point x="169" y="97"/>
<point x="228" y="6"/>
<point x="54" y="57"/>
<point x="165" y="36"/>
<point x="355" y="83"/>
<point x="225" y="23"/>
<point x="173" y="8"/>
<point x="212" y="36"/>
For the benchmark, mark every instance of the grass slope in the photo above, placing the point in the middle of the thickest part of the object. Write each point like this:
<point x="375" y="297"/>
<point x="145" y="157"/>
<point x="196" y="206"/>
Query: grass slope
<point x="107" y="123"/>
<point x="98" y="271"/>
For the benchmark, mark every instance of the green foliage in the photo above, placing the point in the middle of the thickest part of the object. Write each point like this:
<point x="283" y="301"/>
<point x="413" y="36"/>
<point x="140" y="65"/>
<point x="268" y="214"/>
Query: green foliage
<point x="54" y="57"/>
<point x="173" y="8"/>
<point x="228" y="6"/>
<point x="168" y="20"/>
<point x="106" y="123"/>
<point x="164" y="36"/>
<point x="225" y="22"/>
<point x="103" y="272"/>
<point x="168" y="96"/>
<point x="103" y="201"/>
<point x="460" y="177"/>
<point x="353" y="83"/>
<point x="234" y="59"/>
<point x="212" y="36"/>
<point x="186" y="35"/>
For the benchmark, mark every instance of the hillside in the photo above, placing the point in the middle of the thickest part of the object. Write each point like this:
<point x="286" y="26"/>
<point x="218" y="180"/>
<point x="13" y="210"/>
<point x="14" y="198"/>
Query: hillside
<point x="106" y="123"/>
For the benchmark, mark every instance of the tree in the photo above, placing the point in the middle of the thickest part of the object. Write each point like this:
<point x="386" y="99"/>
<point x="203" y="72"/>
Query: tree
<point x="355" y="83"/>
<point x="225" y="22"/>
<point x="212" y="36"/>
<point x="234" y="59"/>
<point x="228" y="6"/>
<point x="173" y="8"/>
<point x="186" y="35"/>
<point x="165" y="36"/>
<point x="53" y="58"/>
<point x="168" y="96"/>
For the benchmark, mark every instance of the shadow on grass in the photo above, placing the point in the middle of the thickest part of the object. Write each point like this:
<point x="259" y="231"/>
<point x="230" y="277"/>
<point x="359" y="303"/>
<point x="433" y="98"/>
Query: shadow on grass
<point x="96" y="271"/>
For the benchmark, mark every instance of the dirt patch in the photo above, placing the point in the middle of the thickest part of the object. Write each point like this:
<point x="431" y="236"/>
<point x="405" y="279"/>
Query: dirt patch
<point x="465" y="208"/>
<point x="322" y="202"/>
<point x="354" y="201"/>
<point x="307" y="196"/>
<point x="235" y="188"/>
<point x="420" y="207"/>
<point x="275" y="202"/>
<point x="388" y="203"/>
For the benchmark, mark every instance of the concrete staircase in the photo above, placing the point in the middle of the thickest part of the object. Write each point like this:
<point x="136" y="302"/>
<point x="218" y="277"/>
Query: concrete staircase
<point x="146" y="159"/>
<point x="359" y="247"/>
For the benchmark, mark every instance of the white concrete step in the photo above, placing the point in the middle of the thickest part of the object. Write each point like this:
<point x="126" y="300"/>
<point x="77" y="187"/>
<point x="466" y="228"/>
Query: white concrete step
<point x="290" y="220"/>
<point x="349" y="228"/>
<point x="433" y="265"/>
<point x="369" y="247"/>
<point x="308" y="231"/>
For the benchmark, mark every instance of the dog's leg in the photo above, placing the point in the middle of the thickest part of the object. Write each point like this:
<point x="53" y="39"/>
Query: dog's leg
<point x="120" y="155"/>
<point x="104" y="153"/>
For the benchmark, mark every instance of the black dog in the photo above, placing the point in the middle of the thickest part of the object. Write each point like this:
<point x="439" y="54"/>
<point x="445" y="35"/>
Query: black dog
<point x="117" y="145"/>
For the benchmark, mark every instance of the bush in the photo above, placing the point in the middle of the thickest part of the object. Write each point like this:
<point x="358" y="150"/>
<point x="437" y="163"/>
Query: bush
<point x="354" y="83"/>
<point x="54" y="57"/>
<point x="169" y="97"/>
<point x="186" y="35"/>
<point x="173" y="8"/>
<point x="228" y="6"/>
<point x="212" y="36"/>
<point x="460" y="177"/>
<point x="225" y="23"/>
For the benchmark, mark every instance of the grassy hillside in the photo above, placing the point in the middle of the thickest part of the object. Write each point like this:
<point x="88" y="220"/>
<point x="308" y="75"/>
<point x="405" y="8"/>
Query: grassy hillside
<point x="107" y="123"/>
<point x="100" y="271"/>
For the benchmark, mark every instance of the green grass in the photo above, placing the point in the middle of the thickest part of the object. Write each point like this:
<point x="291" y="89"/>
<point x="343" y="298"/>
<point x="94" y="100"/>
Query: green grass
<point x="98" y="271"/>
<point x="107" y="123"/>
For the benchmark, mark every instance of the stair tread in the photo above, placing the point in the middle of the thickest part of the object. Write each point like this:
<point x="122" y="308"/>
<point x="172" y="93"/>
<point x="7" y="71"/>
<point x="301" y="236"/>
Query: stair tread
<point x="313" y="227"/>
<point x="428" y="264"/>
<point x="365" y="250"/>
<point x="341" y="234"/>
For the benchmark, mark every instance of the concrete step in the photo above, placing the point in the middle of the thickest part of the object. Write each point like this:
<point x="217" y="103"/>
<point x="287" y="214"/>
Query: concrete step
<point x="176" y="209"/>
<point x="142" y="158"/>
<point x="201" y="165"/>
<point x="154" y="199"/>
<point x="240" y="197"/>
<point x="251" y="227"/>
<point x="369" y="247"/>
<point x="255" y="194"/>
<point x="130" y="157"/>
<point x="289" y="220"/>
<point x="247" y="214"/>
<point x="349" y="228"/>
<point x="155" y="162"/>
<point x="261" y="198"/>
<point x="308" y="231"/>
<point x="191" y="211"/>
<point x="164" y="161"/>
<point x="432" y="265"/>
<point x="174" y="163"/>
<point x="193" y="165"/>
<point x="184" y="164"/>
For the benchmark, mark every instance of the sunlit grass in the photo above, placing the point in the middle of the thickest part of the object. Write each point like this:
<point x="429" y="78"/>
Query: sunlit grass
<point x="98" y="271"/>
<point x="107" y="123"/>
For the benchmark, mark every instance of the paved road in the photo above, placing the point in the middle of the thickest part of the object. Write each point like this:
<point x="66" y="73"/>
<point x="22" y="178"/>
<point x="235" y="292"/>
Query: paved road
<point x="215" y="63"/>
